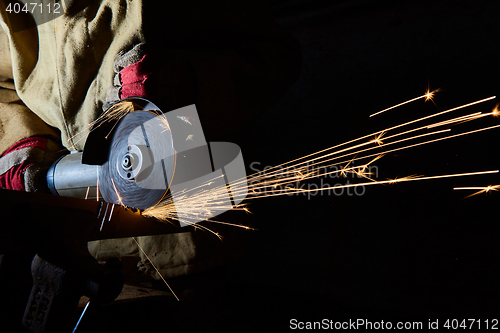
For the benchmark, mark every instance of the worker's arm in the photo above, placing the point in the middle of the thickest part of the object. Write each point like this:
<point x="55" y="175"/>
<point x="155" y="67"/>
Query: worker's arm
<point x="27" y="144"/>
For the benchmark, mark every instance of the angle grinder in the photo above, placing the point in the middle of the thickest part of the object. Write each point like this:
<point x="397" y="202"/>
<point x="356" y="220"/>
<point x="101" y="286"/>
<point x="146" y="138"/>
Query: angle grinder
<point x="143" y="157"/>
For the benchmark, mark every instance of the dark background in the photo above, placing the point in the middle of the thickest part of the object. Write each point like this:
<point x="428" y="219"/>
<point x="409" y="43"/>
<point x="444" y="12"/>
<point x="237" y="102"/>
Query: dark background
<point x="412" y="251"/>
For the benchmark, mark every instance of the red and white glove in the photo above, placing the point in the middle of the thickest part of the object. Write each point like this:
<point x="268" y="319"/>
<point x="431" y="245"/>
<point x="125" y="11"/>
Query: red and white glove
<point x="133" y="75"/>
<point x="23" y="167"/>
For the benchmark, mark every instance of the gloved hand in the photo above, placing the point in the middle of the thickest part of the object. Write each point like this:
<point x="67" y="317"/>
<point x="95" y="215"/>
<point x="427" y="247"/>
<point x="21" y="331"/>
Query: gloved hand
<point x="23" y="167"/>
<point x="133" y="75"/>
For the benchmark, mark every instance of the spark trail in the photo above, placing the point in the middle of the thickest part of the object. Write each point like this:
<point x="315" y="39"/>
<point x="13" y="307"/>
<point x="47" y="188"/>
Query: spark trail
<point x="155" y="268"/>
<point x="429" y="95"/>
<point x="485" y="189"/>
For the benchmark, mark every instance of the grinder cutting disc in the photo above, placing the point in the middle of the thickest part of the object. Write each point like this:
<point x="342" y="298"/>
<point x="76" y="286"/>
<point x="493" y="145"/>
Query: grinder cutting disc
<point x="140" y="163"/>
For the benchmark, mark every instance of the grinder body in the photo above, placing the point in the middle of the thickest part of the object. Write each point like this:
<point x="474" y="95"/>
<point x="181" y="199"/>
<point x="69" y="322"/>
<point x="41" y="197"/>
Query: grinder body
<point x="69" y="177"/>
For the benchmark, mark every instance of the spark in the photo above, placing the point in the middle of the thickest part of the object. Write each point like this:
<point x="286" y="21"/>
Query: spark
<point x="104" y="217"/>
<point x="495" y="112"/>
<point x="116" y="191"/>
<point x="344" y="170"/>
<point x="111" y="213"/>
<point x="87" y="194"/>
<point x="402" y="179"/>
<point x="378" y="139"/>
<point x="479" y="189"/>
<point x="156" y="269"/>
<point x="429" y="95"/>
<point x="231" y="224"/>
<point x="361" y="170"/>
<point x="196" y="225"/>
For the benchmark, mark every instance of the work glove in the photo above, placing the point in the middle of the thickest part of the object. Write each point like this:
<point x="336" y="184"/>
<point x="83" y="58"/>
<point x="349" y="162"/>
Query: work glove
<point x="133" y="70"/>
<point x="23" y="167"/>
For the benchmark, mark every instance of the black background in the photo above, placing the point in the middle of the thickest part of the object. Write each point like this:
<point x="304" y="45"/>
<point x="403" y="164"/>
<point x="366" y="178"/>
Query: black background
<point x="412" y="251"/>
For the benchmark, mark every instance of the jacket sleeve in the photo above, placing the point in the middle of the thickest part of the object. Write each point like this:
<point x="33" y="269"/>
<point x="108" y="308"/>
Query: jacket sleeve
<point x="17" y="122"/>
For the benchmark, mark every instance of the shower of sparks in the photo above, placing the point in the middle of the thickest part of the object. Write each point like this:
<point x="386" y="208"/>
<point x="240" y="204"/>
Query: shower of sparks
<point x="204" y="202"/>
<point x="429" y="95"/>
<point x="114" y="113"/>
<point x="156" y="269"/>
<point x="479" y="190"/>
